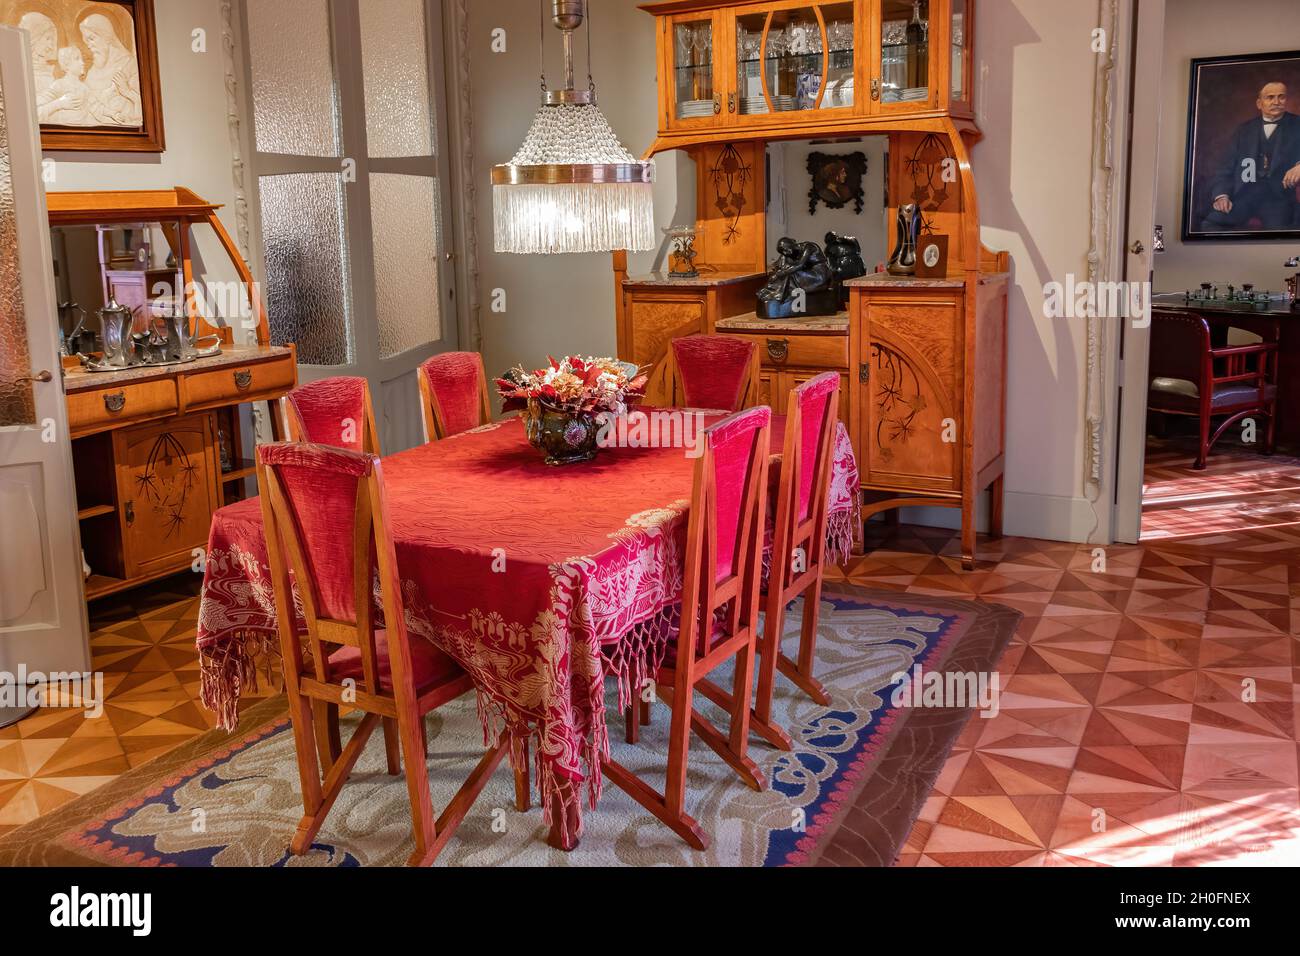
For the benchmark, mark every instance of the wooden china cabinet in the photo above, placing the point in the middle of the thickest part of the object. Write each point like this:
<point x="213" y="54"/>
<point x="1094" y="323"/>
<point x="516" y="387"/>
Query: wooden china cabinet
<point x="156" y="448"/>
<point x="922" y="361"/>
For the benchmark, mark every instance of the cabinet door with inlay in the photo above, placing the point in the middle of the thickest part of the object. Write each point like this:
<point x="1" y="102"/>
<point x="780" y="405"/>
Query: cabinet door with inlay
<point x="166" y="480"/>
<point x="910" y="397"/>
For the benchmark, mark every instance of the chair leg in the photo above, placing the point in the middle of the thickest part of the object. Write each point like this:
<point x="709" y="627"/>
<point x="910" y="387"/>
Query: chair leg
<point x="1270" y="433"/>
<point x="325" y="720"/>
<point x="328" y="792"/>
<point x="632" y="717"/>
<point x="812" y="608"/>
<point x="309" y="776"/>
<point x="417" y="788"/>
<point x="392" y="746"/>
<point x="519" y="760"/>
<point x="741" y="695"/>
<point x="769" y="655"/>
<point x="645" y="712"/>
<point x="1203" y="448"/>
<point x="679" y="748"/>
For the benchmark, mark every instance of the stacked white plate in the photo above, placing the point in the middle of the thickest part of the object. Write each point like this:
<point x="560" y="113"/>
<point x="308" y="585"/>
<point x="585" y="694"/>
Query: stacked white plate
<point x="694" y="109"/>
<point x="911" y="95"/>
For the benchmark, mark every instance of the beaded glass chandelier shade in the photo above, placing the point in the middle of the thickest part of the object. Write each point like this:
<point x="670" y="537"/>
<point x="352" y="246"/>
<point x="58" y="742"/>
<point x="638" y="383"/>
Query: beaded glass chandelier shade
<point x="572" y="187"/>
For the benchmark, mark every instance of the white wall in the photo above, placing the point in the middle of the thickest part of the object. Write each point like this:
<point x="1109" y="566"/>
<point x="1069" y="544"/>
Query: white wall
<point x="788" y="215"/>
<point x="1198" y="28"/>
<point x="198" y="152"/>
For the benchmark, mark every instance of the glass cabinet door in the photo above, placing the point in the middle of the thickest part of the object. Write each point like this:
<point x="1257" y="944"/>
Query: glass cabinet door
<point x="959" y="41"/>
<point x="695" y="98"/>
<point x="795" y="59"/>
<point x="905" y="67"/>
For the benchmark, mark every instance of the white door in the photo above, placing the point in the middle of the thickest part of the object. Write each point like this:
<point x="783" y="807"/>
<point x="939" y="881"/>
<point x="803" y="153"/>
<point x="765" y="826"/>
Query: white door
<point x="42" y="611"/>
<point x="349" y="128"/>
<point x="1139" y="263"/>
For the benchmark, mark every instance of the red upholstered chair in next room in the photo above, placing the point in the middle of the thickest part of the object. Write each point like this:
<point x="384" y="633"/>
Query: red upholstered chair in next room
<point x="719" y="619"/>
<point x="454" y="393"/>
<point x="707" y="371"/>
<point x="333" y="411"/>
<point x="1190" y="377"/>
<point x="327" y="521"/>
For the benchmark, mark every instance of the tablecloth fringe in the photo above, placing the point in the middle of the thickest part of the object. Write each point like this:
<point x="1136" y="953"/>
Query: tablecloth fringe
<point x="841" y="528"/>
<point x="638" y="657"/>
<point x="226" y="667"/>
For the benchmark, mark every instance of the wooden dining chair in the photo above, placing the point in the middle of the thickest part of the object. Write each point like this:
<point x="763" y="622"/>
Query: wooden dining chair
<point x="706" y="371"/>
<point x="719" y="616"/>
<point x="332" y="411"/>
<point x="327" y="522"/>
<point x="1188" y="376"/>
<point x="798" y="546"/>
<point x="454" y="394"/>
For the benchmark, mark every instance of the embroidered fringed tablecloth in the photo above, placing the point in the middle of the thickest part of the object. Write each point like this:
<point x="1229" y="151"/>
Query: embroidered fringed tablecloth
<point x="540" y="581"/>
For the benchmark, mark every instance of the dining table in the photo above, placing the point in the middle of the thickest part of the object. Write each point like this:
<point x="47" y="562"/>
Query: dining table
<point x="542" y="582"/>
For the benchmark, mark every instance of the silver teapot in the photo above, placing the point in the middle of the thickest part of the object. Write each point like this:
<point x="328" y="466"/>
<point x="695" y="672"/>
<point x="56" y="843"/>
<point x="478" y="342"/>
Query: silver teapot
<point x="115" y="324"/>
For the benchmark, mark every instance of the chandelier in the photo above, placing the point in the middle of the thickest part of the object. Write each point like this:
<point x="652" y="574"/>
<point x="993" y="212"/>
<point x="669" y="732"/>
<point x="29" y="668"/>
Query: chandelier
<point x="572" y="186"/>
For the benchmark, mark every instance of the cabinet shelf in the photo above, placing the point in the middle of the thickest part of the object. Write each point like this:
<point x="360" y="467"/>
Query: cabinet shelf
<point x="95" y="511"/>
<point x="245" y="469"/>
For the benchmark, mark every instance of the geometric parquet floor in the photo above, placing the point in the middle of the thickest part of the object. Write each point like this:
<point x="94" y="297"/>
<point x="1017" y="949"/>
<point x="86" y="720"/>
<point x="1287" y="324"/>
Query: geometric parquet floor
<point x="1148" y="710"/>
<point x="143" y="643"/>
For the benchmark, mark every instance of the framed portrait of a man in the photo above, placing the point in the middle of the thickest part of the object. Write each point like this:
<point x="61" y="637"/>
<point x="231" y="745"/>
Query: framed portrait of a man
<point x="95" y="65"/>
<point x="1243" y="148"/>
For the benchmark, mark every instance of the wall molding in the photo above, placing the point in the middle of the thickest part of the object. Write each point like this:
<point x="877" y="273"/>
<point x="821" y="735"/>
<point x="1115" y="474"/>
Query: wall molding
<point x="234" y="125"/>
<point x="1100" y="248"/>
<point x="461" y="135"/>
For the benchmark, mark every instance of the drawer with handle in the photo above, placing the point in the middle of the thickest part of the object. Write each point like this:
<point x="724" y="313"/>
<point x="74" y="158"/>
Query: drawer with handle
<point x="237" y="383"/>
<point x="101" y="409"/>
<point x="795" y="350"/>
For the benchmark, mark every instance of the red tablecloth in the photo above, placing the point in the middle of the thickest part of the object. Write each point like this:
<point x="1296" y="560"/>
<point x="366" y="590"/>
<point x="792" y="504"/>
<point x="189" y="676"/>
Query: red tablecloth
<point x="540" y="581"/>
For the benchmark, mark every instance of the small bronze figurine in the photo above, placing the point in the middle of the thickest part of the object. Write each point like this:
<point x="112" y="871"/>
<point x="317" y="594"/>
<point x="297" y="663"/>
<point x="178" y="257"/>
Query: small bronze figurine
<point x="845" y="255"/>
<point x="800" y="282"/>
<point x="903" y="261"/>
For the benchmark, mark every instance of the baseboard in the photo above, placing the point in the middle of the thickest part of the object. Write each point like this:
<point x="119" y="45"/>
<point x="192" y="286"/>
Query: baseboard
<point x="1025" y="515"/>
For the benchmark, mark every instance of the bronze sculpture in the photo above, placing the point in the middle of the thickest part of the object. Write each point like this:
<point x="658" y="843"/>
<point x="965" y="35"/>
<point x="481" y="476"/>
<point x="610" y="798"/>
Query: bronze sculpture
<point x="800" y="282"/>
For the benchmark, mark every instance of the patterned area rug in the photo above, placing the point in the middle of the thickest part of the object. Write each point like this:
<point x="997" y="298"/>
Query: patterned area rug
<point x="847" y="795"/>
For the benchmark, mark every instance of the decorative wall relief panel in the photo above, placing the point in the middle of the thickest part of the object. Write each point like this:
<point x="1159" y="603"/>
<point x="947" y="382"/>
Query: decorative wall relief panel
<point x="17" y="405"/>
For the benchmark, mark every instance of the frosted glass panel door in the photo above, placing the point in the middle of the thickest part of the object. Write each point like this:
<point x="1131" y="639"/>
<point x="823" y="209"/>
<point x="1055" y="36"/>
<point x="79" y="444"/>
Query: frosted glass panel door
<point x="351" y="190"/>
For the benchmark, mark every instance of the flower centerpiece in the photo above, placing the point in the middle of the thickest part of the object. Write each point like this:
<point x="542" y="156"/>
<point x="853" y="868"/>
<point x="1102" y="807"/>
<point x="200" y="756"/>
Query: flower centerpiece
<point x="561" y="403"/>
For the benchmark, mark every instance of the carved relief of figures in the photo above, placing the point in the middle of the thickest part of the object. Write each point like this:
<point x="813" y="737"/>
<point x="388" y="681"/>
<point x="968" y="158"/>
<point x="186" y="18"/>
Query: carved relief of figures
<point x="85" y="65"/>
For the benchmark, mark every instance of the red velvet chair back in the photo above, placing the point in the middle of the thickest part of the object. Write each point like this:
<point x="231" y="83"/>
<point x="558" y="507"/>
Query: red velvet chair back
<point x="725" y="532"/>
<point x="714" y="371"/>
<point x="333" y="411"/>
<point x="1180" y="345"/>
<point x="454" y="388"/>
<point x="817" y="404"/>
<point x="326" y="524"/>
<point x="803" y="492"/>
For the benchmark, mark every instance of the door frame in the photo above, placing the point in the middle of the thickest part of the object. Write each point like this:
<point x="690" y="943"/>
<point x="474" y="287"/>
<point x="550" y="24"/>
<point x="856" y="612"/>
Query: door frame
<point x="61" y="642"/>
<point x="1145" y="105"/>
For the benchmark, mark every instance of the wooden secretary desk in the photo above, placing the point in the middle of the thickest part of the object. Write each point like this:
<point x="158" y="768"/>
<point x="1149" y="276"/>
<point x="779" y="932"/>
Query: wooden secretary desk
<point x="156" y="448"/>
<point x="922" y="362"/>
